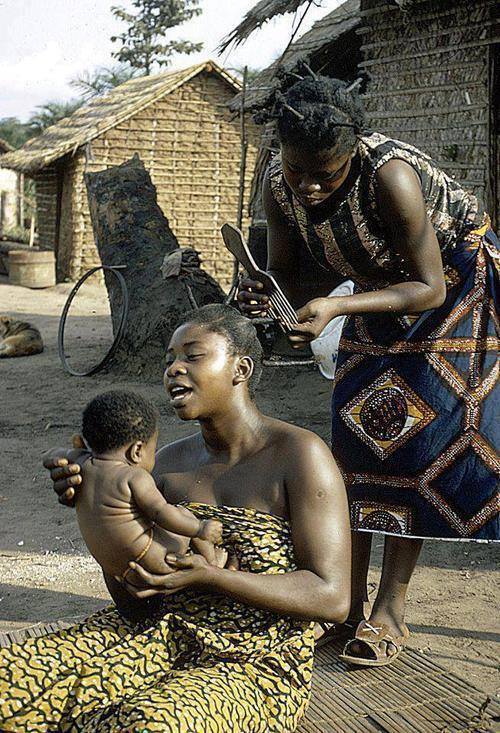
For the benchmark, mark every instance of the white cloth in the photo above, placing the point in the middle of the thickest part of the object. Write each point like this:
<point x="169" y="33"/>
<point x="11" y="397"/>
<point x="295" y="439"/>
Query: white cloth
<point x="326" y="347"/>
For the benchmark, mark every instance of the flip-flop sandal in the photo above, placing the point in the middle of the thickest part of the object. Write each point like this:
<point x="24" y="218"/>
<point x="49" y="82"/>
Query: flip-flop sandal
<point x="335" y="632"/>
<point x="370" y="637"/>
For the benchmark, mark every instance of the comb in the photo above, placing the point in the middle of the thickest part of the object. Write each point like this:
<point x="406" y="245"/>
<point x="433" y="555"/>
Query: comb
<point x="280" y="309"/>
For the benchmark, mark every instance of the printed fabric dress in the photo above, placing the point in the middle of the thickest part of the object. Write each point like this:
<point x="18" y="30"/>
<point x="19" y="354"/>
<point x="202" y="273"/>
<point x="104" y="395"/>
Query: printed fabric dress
<point x="415" y="410"/>
<point x="206" y="664"/>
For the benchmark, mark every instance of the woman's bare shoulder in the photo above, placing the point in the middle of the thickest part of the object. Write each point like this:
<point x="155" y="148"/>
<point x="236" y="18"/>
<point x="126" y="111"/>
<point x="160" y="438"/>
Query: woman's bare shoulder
<point x="306" y="461"/>
<point x="175" y="455"/>
<point x="292" y="438"/>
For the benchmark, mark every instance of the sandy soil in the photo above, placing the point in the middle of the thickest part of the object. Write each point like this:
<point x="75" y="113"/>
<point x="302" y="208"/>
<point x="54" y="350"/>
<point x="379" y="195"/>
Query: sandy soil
<point x="45" y="569"/>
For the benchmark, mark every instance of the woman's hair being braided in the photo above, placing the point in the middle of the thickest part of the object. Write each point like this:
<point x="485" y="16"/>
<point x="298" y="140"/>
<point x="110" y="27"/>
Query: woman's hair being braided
<point x="315" y="112"/>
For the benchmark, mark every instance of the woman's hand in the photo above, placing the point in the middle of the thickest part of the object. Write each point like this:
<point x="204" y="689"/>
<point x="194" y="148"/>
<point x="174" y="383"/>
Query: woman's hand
<point x="252" y="303"/>
<point x="185" y="571"/>
<point x="313" y="318"/>
<point x="64" y="467"/>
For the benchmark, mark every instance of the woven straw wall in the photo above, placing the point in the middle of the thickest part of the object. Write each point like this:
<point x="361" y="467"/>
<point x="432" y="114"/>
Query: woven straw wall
<point x="74" y="253"/>
<point x="191" y="148"/>
<point x="46" y="206"/>
<point x="429" y="70"/>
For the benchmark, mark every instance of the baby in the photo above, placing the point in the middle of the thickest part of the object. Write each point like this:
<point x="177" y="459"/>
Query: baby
<point x="122" y="515"/>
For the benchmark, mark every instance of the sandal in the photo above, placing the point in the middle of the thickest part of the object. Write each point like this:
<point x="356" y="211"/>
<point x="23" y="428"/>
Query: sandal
<point x="370" y="637"/>
<point x="334" y="632"/>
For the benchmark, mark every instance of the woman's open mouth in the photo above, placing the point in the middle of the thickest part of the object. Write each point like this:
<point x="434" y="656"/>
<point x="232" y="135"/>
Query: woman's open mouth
<point x="179" y="394"/>
<point x="312" y="200"/>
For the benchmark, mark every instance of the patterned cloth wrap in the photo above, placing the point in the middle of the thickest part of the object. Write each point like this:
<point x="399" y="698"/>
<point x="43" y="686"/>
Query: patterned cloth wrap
<point x="415" y="409"/>
<point x="415" y="404"/>
<point x="208" y="663"/>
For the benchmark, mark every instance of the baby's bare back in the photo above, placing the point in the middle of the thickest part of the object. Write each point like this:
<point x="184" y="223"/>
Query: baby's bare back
<point x="112" y="526"/>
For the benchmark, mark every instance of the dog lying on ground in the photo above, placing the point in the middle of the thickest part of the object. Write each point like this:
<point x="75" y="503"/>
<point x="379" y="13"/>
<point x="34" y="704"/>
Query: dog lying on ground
<point x="18" y="338"/>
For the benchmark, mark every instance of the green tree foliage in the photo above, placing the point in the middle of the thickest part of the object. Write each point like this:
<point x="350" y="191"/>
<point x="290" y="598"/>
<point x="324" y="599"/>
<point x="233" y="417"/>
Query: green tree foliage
<point x="252" y="73"/>
<point x="51" y="112"/>
<point x="101" y="80"/>
<point x="15" y="132"/>
<point x="141" y="46"/>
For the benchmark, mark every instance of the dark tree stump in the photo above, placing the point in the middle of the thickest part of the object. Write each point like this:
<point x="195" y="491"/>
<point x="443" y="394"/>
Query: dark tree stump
<point x="130" y="229"/>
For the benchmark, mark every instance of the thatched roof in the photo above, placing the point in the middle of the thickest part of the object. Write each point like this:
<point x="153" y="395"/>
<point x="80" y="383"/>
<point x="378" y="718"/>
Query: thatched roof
<point x="102" y="113"/>
<point x="257" y="16"/>
<point x="5" y="147"/>
<point x="324" y="32"/>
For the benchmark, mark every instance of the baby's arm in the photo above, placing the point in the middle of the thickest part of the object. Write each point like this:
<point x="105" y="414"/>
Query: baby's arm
<point x="153" y="505"/>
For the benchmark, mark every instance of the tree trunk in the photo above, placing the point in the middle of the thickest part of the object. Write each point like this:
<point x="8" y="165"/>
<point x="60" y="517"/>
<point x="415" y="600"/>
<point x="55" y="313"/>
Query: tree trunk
<point x="130" y="229"/>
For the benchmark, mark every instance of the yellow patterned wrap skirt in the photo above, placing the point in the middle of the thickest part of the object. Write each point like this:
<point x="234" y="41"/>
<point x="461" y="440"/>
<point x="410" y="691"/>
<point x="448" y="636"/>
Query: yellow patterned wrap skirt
<point x="205" y="664"/>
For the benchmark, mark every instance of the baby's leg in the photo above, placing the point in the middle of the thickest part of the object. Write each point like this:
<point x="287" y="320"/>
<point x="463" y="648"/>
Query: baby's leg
<point x="162" y="544"/>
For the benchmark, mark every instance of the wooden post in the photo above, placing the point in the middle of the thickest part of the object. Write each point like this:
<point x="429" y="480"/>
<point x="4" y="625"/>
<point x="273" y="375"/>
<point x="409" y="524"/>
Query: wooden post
<point x="241" y="191"/>
<point x="20" y="213"/>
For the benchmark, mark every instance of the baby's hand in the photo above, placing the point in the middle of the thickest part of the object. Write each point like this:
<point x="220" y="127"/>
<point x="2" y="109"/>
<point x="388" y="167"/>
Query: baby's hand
<point x="217" y="556"/>
<point x="211" y="531"/>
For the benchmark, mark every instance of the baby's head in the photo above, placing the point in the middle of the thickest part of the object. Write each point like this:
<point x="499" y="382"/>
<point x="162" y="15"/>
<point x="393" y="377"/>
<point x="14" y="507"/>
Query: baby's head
<point x="122" y="424"/>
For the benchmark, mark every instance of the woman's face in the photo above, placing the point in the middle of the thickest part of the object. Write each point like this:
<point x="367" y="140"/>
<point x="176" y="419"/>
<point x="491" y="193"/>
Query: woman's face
<point x="200" y="372"/>
<point x="314" y="176"/>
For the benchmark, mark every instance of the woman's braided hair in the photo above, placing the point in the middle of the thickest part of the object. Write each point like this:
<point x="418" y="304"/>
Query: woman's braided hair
<point x="315" y="112"/>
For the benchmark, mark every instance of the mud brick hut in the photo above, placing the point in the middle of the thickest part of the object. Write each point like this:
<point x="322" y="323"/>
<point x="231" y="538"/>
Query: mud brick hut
<point x="430" y="70"/>
<point x="189" y="141"/>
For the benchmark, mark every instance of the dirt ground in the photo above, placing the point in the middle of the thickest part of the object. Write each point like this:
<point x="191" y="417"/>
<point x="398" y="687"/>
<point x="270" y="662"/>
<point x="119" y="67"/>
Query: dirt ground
<point x="45" y="570"/>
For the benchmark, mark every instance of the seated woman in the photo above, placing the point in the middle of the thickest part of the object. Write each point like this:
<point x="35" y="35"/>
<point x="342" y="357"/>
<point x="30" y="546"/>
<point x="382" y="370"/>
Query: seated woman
<point x="231" y="651"/>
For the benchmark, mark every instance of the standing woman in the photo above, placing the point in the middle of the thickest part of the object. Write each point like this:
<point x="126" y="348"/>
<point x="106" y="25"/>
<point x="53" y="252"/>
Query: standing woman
<point x="413" y="423"/>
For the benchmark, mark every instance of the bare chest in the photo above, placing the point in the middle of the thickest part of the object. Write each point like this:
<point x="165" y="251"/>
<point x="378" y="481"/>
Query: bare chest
<point x="256" y="483"/>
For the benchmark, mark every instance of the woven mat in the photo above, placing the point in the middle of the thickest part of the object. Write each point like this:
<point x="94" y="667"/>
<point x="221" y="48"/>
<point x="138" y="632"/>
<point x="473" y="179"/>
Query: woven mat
<point x="412" y="695"/>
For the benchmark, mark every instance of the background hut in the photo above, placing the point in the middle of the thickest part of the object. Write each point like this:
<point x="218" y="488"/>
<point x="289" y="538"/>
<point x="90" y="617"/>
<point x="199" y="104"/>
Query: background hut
<point x="11" y="186"/>
<point x="180" y="125"/>
<point x="431" y="77"/>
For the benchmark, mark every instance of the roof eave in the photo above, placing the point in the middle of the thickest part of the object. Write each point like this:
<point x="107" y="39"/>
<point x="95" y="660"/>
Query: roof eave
<point x="343" y="24"/>
<point x="256" y="17"/>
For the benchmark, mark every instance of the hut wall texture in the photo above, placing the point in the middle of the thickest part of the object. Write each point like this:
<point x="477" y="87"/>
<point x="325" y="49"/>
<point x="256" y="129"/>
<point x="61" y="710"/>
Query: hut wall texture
<point x="8" y="198"/>
<point x="429" y="85"/>
<point x="77" y="252"/>
<point x="46" y="206"/>
<point x="191" y="148"/>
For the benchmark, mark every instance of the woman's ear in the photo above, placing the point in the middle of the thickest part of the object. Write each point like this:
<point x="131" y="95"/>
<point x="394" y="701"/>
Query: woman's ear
<point x="244" y="369"/>
<point x="135" y="451"/>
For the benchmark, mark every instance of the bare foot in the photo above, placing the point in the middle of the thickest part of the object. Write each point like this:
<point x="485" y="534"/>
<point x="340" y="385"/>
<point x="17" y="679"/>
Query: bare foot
<point x="210" y="531"/>
<point x="325" y="632"/>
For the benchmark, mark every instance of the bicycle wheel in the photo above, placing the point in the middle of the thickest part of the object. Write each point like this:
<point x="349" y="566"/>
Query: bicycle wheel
<point x="84" y="349"/>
